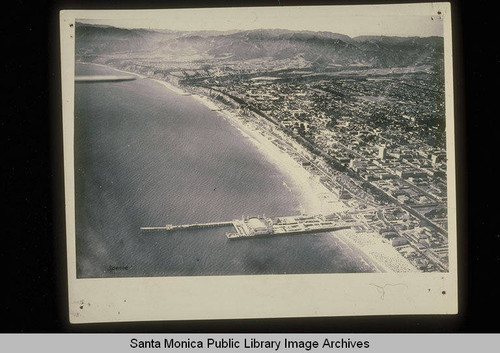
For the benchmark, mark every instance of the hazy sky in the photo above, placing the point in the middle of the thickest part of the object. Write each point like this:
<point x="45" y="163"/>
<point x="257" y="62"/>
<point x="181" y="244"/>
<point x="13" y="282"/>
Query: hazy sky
<point x="403" y="20"/>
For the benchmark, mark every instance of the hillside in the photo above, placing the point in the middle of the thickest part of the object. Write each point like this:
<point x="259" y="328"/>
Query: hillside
<point x="315" y="48"/>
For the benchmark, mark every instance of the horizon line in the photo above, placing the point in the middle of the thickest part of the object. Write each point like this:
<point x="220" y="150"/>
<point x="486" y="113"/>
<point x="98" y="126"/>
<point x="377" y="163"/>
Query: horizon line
<point x="236" y="30"/>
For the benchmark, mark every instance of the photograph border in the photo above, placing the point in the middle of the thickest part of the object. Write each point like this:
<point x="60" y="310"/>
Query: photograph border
<point x="260" y="296"/>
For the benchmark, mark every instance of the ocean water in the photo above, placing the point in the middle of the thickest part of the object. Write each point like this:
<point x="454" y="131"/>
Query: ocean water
<point x="147" y="156"/>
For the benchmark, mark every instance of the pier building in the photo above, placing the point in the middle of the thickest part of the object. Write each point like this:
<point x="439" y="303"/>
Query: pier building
<point x="261" y="226"/>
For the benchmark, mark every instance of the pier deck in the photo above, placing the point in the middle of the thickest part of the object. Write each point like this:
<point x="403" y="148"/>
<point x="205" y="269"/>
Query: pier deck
<point x="262" y="226"/>
<point x="170" y="227"/>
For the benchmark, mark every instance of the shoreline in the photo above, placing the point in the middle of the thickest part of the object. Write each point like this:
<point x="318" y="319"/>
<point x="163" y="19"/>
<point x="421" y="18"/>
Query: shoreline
<point x="310" y="192"/>
<point x="171" y="87"/>
<point x="111" y="67"/>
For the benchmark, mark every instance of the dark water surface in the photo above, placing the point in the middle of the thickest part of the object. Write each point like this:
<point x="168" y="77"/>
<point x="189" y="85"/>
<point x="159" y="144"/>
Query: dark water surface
<point x="146" y="156"/>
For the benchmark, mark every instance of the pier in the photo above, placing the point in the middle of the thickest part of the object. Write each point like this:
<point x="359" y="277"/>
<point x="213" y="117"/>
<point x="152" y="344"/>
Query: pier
<point x="261" y="226"/>
<point x="170" y="227"/>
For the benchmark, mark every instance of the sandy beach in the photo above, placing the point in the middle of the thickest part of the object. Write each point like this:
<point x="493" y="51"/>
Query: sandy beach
<point x="171" y="87"/>
<point x="114" y="68"/>
<point x="312" y="193"/>
<point x="374" y="250"/>
<point x="314" y="197"/>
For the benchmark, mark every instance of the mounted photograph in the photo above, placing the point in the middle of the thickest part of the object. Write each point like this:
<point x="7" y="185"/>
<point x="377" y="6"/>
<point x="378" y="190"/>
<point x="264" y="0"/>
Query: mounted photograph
<point x="251" y="162"/>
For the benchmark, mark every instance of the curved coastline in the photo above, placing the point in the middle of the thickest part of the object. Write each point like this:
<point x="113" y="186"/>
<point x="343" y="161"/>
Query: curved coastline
<point x="381" y="256"/>
<point x="113" y="68"/>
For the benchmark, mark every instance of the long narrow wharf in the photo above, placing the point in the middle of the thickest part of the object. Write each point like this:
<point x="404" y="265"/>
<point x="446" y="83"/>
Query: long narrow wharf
<point x="170" y="227"/>
<point x="261" y="226"/>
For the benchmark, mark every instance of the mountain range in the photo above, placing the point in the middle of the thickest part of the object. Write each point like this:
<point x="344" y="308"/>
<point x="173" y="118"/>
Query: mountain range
<point x="315" y="48"/>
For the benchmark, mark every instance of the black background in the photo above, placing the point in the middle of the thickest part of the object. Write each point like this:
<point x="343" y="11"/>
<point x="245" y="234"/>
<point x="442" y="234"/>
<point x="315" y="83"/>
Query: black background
<point x="32" y="249"/>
